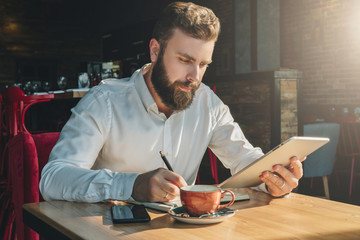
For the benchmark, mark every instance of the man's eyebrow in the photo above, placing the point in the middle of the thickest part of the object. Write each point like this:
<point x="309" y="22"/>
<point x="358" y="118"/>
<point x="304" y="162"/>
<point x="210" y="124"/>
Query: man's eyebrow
<point x="192" y="58"/>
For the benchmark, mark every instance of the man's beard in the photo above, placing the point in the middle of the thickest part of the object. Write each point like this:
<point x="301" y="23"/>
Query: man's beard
<point x="171" y="95"/>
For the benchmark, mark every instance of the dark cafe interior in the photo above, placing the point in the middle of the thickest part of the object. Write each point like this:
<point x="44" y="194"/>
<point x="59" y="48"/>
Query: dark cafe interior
<point x="284" y="67"/>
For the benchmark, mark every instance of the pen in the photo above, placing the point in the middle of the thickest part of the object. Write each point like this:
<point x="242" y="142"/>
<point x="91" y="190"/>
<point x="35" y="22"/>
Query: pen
<point x="166" y="161"/>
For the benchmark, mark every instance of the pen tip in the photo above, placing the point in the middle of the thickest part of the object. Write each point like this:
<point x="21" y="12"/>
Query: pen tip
<point x="161" y="153"/>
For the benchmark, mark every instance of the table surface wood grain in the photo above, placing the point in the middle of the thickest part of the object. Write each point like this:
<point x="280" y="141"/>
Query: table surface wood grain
<point x="295" y="216"/>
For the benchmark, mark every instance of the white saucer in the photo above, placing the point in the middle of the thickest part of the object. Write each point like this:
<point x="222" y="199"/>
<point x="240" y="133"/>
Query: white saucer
<point x="197" y="220"/>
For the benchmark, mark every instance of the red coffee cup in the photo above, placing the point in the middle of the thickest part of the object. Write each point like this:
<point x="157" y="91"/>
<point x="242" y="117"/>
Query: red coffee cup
<point x="201" y="199"/>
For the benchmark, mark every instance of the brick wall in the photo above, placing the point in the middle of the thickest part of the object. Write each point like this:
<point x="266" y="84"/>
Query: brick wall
<point x="223" y="56"/>
<point x="224" y="50"/>
<point x="322" y="39"/>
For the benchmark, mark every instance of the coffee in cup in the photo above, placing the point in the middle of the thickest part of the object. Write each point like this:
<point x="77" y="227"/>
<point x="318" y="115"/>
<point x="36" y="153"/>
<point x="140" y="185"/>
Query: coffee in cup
<point x="202" y="199"/>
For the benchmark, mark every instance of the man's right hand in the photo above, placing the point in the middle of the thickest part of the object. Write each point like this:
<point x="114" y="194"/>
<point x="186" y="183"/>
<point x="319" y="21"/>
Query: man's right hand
<point x="160" y="185"/>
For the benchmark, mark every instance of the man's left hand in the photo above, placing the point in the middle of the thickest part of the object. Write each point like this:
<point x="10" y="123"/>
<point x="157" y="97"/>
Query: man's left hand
<point x="284" y="179"/>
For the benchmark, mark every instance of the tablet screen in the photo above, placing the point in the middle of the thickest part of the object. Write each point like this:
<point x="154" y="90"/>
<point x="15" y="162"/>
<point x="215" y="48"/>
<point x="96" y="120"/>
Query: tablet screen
<point x="281" y="154"/>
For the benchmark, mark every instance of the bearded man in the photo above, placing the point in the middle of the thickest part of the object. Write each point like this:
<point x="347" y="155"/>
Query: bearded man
<point x="109" y="148"/>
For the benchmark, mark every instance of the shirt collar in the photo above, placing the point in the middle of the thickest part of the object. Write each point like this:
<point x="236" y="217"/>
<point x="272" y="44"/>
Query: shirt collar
<point x="141" y="87"/>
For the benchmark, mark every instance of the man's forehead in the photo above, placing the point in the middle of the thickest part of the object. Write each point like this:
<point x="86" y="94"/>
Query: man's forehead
<point x="188" y="46"/>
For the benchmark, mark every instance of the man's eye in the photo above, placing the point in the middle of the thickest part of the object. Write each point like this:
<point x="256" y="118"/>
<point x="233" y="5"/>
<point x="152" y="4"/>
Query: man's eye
<point x="184" y="60"/>
<point x="204" y="65"/>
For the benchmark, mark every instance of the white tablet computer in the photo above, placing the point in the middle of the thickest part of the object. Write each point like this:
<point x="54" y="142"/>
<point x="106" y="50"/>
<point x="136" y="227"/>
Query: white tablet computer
<point x="295" y="146"/>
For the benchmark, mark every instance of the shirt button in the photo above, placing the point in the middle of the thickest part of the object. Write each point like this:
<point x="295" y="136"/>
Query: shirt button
<point x="121" y="194"/>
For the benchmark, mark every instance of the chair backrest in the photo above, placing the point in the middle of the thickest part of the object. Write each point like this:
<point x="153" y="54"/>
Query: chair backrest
<point x="321" y="162"/>
<point x="27" y="156"/>
<point x="16" y="104"/>
<point x="44" y="143"/>
<point x="349" y="140"/>
<point x="12" y="98"/>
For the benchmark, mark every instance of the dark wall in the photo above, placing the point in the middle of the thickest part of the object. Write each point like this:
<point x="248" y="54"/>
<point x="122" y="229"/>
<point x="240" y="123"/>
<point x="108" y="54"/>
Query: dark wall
<point x="44" y="39"/>
<point x="64" y="33"/>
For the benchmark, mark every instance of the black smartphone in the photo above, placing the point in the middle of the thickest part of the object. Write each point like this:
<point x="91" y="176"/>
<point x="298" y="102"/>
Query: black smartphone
<point x="129" y="214"/>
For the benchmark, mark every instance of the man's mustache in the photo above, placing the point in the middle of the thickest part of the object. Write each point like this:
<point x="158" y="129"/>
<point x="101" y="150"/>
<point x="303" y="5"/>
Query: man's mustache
<point x="187" y="84"/>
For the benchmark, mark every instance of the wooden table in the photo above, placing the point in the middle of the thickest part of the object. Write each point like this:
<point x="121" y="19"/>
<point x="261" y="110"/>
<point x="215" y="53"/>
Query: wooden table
<point x="262" y="217"/>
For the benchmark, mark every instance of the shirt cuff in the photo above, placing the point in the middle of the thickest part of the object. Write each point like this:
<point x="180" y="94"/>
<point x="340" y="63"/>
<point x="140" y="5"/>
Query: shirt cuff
<point x="261" y="188"/>
<point x="122" y="186"/>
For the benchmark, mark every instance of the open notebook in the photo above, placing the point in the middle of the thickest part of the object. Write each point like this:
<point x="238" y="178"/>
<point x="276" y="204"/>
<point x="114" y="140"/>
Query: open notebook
<point x="166" y="206"/>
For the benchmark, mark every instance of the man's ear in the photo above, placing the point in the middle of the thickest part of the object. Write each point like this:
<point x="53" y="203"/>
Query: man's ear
<point x="154" y="46"/>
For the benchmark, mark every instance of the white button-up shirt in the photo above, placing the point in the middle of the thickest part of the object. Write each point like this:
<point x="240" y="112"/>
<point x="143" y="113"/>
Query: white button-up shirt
<point x="115" y="132"/>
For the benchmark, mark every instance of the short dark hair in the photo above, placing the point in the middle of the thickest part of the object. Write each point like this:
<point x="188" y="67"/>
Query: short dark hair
<point x="197" y="21"/>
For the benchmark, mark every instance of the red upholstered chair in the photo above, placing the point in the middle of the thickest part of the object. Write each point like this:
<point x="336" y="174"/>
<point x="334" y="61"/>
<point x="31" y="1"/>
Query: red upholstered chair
<point x="28" y="154"/>
<point x="16" y="104"/>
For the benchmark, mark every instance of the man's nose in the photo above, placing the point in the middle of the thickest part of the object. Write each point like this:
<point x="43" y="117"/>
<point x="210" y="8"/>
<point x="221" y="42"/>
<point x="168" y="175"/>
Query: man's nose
<point x="194" y="74"/>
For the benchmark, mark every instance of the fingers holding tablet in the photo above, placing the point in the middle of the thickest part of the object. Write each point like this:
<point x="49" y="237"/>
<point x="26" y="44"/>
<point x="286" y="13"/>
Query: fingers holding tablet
<point x="284" y="179"/>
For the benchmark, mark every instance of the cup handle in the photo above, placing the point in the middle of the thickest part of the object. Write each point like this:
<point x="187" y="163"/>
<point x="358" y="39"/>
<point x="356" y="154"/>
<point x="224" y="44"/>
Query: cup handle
<point x="227" y="204"/>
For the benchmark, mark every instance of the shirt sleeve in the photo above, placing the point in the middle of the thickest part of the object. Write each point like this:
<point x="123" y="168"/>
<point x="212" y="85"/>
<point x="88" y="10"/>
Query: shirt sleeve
<point x="228" y="141"/>
<point x="68" y="174"/>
